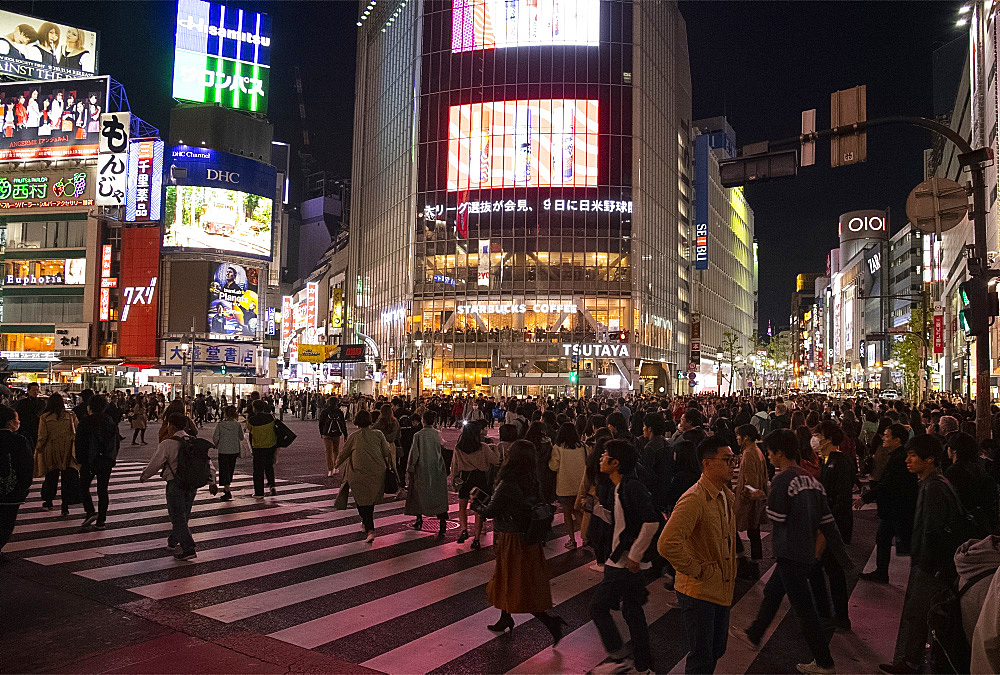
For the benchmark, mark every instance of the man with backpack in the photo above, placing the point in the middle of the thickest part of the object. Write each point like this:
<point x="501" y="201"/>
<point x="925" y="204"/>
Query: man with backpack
<point x="939" y="527"/>
<point x="183" y="462"/>
<point x="97" y="444"/>
<point x="332" y="427"/>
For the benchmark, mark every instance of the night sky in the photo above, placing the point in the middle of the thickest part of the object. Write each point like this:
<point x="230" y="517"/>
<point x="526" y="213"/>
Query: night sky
<point x="758" y="63"/>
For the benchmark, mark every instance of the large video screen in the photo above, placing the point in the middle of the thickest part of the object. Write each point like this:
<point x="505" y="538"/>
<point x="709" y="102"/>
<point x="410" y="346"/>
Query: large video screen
<point x="52" y="120"/>
<point x="222" y="55"/>
<point x="529" y="143"/>
<point x="496" y="24"/>
<point x="33" y="49"/>
<point x="219" y="220"/>
<point x="232" y="301"/>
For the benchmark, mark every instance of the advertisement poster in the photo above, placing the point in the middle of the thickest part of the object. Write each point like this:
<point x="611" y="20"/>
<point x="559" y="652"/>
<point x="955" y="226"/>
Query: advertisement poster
<point x="232" y="301"/>
<point x="47" y="189"/>
<point x="207" y="218"/>
<point x="528" y="143"/>
<point x="139" y="277"/>
<point x="52" y="120"/>
<point x="34" y="49"/>
<point x="496" y="24"/>
<point x="222" y="55"/>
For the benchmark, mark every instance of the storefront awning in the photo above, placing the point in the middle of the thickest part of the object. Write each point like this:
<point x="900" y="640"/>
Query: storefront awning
<point x="651" y="369"/>
<point x="32" y="366"/>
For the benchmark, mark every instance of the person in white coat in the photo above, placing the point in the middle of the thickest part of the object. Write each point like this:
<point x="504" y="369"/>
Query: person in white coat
<point x="986" y="637"/>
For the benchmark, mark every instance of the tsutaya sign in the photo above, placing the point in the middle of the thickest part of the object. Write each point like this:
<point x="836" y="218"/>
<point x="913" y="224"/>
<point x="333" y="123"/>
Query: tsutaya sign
<point x="596" y="350"/>
<point x="515" y="308"/>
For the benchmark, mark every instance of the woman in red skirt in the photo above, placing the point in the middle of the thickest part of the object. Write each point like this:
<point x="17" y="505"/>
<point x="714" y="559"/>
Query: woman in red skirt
<point x="520" y="583"/>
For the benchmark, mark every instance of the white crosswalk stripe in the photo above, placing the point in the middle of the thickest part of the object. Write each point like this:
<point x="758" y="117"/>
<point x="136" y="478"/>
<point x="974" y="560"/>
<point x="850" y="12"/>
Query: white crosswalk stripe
<point x="293" y="568"/>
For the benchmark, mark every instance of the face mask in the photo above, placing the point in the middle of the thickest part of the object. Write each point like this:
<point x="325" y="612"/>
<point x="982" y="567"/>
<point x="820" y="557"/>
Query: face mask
<point x="814" y="442"/>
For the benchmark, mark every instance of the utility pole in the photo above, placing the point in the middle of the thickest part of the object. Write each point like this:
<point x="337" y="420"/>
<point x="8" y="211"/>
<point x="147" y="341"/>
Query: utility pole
<point x="736" y="172"/>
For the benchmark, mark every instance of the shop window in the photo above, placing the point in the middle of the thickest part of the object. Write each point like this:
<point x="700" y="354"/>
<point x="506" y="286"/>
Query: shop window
<point x="47" y="234"/>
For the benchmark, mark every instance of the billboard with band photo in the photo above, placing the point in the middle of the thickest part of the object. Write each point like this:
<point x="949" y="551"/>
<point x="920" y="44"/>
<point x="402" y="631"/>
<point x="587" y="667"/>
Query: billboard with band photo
<point x="232" y="301"/>
<point x="55" y="119"/>
<point x="33" y="49"/>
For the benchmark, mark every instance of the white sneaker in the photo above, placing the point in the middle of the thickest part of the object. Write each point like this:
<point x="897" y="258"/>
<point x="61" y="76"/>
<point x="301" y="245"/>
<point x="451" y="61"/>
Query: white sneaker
<point x="813" y="667"/>
<point x="371" y="537"/>
<point x="329" y="474"/>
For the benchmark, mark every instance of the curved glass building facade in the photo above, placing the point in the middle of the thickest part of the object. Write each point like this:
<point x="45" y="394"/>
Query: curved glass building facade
<point x="546" y="198"/>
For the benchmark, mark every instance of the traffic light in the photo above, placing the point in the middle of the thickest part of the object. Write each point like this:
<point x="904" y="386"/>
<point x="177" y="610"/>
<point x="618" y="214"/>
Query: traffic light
<point x="573" y="376"/>
<point x="622" y="336"/>
<point x="979" y="304"/>
<point x="223" y="368"/>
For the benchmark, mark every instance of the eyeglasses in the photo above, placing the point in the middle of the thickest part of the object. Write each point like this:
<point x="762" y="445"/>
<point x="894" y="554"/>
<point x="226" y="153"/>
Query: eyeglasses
<point x="729" y="459"/>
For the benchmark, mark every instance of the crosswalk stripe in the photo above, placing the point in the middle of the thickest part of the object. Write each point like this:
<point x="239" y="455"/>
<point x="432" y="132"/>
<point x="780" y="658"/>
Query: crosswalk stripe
<point x="332" y="627"/>
<point x="201" y="582"/>
<point x="212" y="535"/>
<point x="267" y="601"/>
<point x="582" y="650"/>
<point x="435" y="649"/>
<point x="205" y="503"/>
<point x="232" y="551"/>
<point x="132" y="487"/>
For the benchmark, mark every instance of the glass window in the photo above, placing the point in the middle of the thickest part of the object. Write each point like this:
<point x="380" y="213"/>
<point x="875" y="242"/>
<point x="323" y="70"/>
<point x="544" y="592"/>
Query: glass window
<point x="47" y="234"/>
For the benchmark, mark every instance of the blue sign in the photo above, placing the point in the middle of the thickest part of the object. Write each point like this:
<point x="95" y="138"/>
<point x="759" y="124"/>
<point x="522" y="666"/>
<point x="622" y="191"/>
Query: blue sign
<point x="211" y="168"/>
<point x="444" y="280"/>
<point x="701" y="246"/>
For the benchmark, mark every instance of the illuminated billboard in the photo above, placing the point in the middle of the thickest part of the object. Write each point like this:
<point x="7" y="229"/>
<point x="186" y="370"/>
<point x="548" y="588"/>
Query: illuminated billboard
<point x="232" y="301"/>
<point x="497" y="24"/>
<point x="214" y="219"/>
<point x="47" y="189"/>
<point x="139" y="283"/>
<point x="58" y="119"/>
<point x="69" y="271"/>
<point x="527" y="143"/>
<point x="33" y="49"/>
<point x="222" y="55"/>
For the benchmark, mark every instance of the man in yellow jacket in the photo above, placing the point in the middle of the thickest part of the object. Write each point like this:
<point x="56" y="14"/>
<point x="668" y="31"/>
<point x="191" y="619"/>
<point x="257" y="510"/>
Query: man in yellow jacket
<point x="699" y="540"/>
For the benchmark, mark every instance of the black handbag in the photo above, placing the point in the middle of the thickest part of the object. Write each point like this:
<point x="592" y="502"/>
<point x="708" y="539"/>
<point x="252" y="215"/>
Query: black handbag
<point x="539" y="524"/>
<point x="390" y="483"/>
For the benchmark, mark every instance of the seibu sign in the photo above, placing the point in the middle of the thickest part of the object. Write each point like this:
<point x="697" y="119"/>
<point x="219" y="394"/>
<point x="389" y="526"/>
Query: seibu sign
<point x="864" y="225"/>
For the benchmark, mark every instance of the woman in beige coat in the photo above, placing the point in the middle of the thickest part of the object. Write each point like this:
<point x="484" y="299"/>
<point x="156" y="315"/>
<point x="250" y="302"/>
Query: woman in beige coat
<point x="751" y="489"/>
<point x="54" y="452"/>
<point x="366" y="455"/>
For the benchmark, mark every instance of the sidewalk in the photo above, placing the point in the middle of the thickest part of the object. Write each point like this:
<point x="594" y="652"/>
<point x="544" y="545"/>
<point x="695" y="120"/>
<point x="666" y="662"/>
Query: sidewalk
<point x="59" y="626"/>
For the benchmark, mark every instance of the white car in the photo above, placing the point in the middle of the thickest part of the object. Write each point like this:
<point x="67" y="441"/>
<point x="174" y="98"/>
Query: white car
<point x="890" y="395"/>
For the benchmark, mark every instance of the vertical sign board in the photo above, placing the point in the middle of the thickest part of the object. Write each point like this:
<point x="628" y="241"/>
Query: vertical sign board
<point x="113" y="159"/>
<point x="312" y="293"/>
<point x="484" y="263"/>
<point x="938" y="328"/>
<point x="144" y="192"/>
<point x="286" y="322"/>
<point x="701" y="246"/>
<point x="137" y="325"/>
<point x="696" y="338"/>
<point x="107" y="283"/>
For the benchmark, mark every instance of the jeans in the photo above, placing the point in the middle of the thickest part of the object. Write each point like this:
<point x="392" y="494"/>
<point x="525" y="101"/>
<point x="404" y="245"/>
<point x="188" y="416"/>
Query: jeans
<point x="8" y="516"/>
<point x="367" y="514"/>
<point x="838" y="587"/>
<point x="620" y="585"/>
<point x="227" y="467"/>
<point x="263" y="464"/>
<point x="911" y="640"/>
<point x="332" y="444"/>
<point x="792" y="578"/>
<point x="103" y="476"/>
<point x="756" y="548"/>
<point x="51" y="483"/>
<point x="179" y="503"/>
<point x="707" y="626"/>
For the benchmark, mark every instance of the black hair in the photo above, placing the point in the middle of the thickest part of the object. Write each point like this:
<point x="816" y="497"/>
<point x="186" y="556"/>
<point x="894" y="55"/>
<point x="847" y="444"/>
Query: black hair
<point x="656" y="423"/>
<point x="7" y="414"/>
<point x="898" y="431"/>
<point x="832" y="431"/>
<point x="55" y="405"/>
<point x="709" y="448"/>
<point x="624" y="453"/>
<point x="468" y="441"/>
<point x="99" y="403"/>
<point x="748" y="431"/>
<point x="429" y="417"/>
<point x="925" y="447"/>
<point x="508" y="433"/>
<point x="519" y="466"/>
<point x="362" y="419"/>
<point x="965" y="446"/>
<point x="687" y="456"/>
<point x="177" y="420"/>
<point x="785" y="442"/>
<point x="567" y="436"/>
<point x="617" y="420"/>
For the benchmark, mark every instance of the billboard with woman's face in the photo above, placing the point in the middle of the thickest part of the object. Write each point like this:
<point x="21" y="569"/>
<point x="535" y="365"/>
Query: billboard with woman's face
<point x="33" y="49"/>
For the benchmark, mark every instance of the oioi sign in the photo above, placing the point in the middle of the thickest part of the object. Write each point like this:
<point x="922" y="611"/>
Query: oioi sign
<point x="869" y="224"/>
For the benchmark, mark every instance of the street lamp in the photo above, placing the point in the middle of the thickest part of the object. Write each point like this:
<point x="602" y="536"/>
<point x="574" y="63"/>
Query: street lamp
<point x="418" y="360"/>
<point x="185" y="350"/>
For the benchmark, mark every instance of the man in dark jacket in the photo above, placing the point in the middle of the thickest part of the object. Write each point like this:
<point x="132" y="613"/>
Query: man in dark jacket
<point x="690" y="428"/>
<point x="657" y="459"/>
<point x="29" y="410"/>
<point x="80" y="409"/>
<point x="896" y="496"/>
<point x="97" y="444"/>
<point x="932" y="551"/>
<point x="631" y="551"/>
<point x="976" y="489"/>
<point x="16" y="459"/>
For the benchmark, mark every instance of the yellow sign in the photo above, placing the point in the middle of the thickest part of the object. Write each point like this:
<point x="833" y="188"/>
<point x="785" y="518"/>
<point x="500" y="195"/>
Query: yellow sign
<point x="312" y="353"/>
<point x="337" y="308"/>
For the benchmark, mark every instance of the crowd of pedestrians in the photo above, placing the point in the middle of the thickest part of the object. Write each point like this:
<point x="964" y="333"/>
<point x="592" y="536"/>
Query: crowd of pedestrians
<point x="653" y="487"/>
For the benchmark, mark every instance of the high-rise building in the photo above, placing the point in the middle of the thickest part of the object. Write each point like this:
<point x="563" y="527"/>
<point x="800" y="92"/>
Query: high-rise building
<point x="723" y="274"/>
<point x="521" y="195"/>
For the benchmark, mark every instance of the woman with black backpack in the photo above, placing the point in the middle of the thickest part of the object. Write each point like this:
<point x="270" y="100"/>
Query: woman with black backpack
<point x="520" y="582"/>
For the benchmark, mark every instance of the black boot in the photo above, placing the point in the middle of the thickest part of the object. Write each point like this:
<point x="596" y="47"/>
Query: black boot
<point x="505" y="623"/>
<point x="555" y="625"/>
